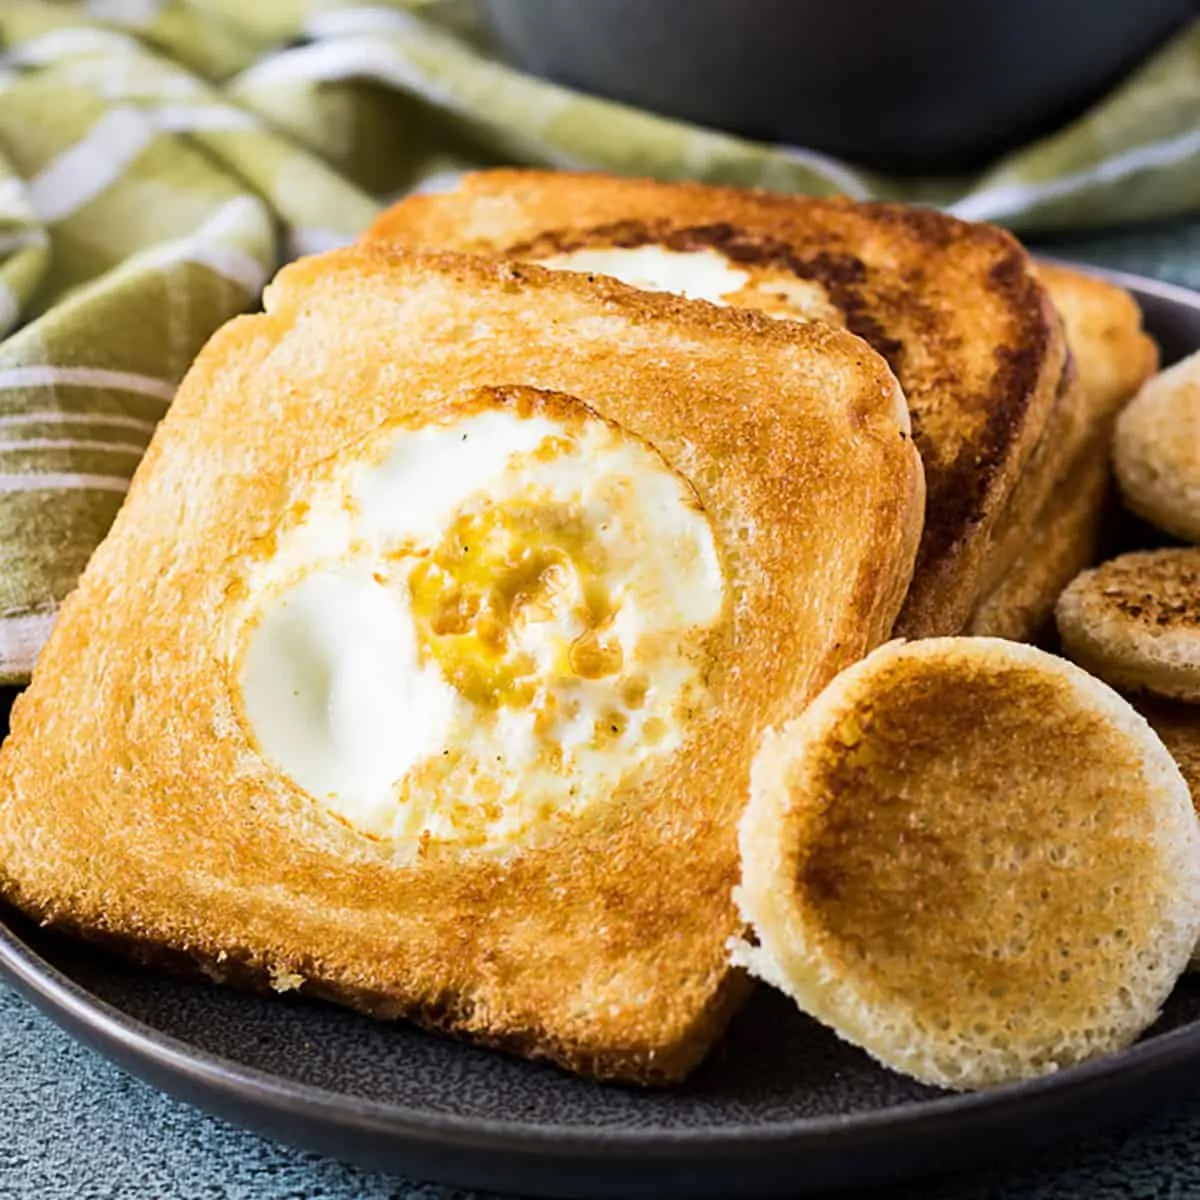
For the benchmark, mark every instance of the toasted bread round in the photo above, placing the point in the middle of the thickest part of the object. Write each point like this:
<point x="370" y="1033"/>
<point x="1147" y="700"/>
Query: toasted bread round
<point x="1178" y="725"/>
<point x="421" y="495"/>
<point x="1156" y="450"/>
<point x="1135" y="621"/>
<point x="973" y="860"/>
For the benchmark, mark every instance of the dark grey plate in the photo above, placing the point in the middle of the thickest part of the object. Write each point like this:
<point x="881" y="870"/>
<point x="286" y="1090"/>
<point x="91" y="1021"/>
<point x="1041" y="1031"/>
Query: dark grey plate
<point x="782" y="1106"/>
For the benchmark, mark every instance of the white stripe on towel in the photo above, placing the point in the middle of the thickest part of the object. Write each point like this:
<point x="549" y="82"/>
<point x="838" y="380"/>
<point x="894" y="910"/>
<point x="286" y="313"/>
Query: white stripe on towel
<point x="58" y="417"/>
<point x="37" y="481"/>
<point x="93" y="377"/>
<point x="84" y="170"/>
<point x="209" y="246"/>
<point x="21" y="638"/>
<point x="71" y="444"/>
<point x="187" y="118"/>
<point x="1008" y="199"/>
<point x="133" y="14"/>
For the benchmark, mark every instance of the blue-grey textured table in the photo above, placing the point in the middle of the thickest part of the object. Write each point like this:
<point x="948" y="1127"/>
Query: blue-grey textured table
<point x="74" y="1127"/>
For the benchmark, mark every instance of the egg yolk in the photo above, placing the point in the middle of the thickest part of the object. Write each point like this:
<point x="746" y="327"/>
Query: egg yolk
<point x="512" y="600"/>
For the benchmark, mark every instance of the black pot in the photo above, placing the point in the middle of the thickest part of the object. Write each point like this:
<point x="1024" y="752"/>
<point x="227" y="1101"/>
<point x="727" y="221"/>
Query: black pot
<point x="899" y="85"/>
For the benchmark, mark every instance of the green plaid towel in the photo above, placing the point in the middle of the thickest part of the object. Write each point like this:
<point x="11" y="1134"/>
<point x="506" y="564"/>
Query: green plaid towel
<point x="159" y="159"/>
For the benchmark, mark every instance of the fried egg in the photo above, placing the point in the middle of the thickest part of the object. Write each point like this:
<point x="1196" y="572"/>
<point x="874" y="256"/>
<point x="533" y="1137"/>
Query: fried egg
<point x="479" y="626"/>
<point x="702" y="274"/>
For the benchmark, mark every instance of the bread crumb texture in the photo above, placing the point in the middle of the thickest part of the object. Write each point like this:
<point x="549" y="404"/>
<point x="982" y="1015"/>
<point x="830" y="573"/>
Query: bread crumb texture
<point x="1156" y="450"/>
<point x="138" y="807"/>
<point x="955" y="307"/>
<point x="1135" y="621"/>
<point x="973" y="860"/>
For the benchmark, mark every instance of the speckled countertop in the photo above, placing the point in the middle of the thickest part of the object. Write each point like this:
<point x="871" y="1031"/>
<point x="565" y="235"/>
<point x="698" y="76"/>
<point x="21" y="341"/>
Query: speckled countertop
<point x="74" y="1127"/>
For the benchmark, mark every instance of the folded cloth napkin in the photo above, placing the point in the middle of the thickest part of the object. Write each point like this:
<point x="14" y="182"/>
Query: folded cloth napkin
<point x="160" y="158"/>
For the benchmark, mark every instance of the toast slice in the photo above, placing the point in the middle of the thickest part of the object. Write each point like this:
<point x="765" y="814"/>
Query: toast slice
<point x="1064" y="540"/>
<point x="1112" y="358"/>
<point x="972" y="859"/>
<point x="422" y="668"/>
<point x="955" y="308"/>
<point x="1113" y="354"/>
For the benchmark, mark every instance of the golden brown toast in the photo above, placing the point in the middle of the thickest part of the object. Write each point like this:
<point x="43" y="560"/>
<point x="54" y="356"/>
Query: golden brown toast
<point x="1064" y="540"/>
<point x="973" y="860"/>
<point x="955" y="308"/>
<point x="1156" y="450"/>
<point x="1113" y="354"/>
<point x="1135" y="621"/>
<point x="455" y="455"/>
<point x="1112" y="357"/>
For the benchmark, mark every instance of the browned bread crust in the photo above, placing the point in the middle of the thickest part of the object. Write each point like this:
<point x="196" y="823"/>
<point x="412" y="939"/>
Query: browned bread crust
<point x="134" y="808"/>
<point x="955" y="308"/>
<point x="1050" y="530"/>
<point x="1032" y="492"/>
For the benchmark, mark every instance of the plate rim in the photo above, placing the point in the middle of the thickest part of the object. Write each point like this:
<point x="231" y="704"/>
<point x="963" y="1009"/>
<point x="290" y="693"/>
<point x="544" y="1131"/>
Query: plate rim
<point x="56" y="994"/>
<point x="1160" y="289"/>
<point x="158" y="1056"/>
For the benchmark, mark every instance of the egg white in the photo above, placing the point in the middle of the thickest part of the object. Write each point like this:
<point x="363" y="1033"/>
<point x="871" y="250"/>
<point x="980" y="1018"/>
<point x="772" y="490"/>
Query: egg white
<point x="340" y="685"/>
<point x="703" y="274"/>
